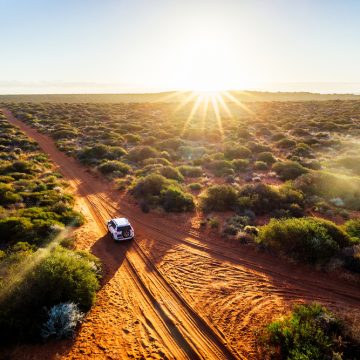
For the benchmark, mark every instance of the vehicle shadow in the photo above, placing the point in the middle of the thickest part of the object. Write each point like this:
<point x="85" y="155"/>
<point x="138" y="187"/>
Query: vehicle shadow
<point x="111" y="254"/>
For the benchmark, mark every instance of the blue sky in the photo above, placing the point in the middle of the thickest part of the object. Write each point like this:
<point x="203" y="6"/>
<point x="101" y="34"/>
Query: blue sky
<point x="150" y="45"/>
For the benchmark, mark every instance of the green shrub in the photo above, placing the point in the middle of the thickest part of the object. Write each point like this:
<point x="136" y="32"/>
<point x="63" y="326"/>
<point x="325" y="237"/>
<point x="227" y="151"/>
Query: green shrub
<point x="260" y="165"/>
<point x="171" y="173"/>
<point x="236" y="152"/>
<point x="14" y="229"/>
<point x="100" y="152"/>
<point x="114" y="167"/>
<point x="64" y="134"/>
<point x="141" y="153"/>
<point x="152" y="161"/>
<point x="19" y="166"/>
<point x="352" y="227"/>
<point x="267" y="157"/>
<point x="264" y="199"/>
<point x="309" y="240"/>
<point x="132" y="138"/>
<point x="220" y="167"/>
<point x="172" y="199"/>
<point x="149" y="186"/>
<point x="285" y="143"/>
<point x="156" y="190"/>
<point x="195" y="186"/>
<point x="289" y="170"/>
<point x="302" y="150"/>
<point x="61" y="276"/>
<point x="240" y="165"/>
<point x="190" y="171"/>
<point x="235" y="224"/>
<point x="309" y="332"/>
<point x="218" y="198"/>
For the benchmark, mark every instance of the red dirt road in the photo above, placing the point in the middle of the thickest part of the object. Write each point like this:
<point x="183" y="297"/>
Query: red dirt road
<point x="172" y="293"/>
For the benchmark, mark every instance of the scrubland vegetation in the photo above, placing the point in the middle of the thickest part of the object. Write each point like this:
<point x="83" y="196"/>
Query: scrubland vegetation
<point x="309" y="332"/>
<point x="38" y="274"/>
<point x="254" y="177"/>
<point x="254" y="164"/>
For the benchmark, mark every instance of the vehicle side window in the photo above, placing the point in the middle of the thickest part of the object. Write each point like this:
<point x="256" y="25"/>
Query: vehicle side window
<point x="112" y="224"/>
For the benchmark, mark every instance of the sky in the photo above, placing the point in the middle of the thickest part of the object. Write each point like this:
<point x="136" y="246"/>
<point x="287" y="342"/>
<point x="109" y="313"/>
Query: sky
<point x="68" y="46"/>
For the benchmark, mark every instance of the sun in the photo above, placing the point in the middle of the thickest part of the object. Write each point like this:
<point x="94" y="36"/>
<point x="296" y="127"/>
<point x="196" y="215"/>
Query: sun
<point x="205" y="101"/>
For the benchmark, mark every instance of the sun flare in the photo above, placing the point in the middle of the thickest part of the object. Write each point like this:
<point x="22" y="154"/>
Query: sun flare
<point x="205" y="102"/>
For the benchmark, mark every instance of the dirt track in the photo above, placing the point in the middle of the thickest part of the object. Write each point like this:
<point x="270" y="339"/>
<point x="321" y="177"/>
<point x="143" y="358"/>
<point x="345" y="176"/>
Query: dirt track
<point x="172" y="293"/>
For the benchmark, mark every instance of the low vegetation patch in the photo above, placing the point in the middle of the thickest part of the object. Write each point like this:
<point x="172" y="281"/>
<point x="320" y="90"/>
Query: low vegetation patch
<point x="219" y="198"/>
<point x="36" y="273"/>
<point x="289" y="170"/>
<point x="308" y="240"/>
<point x="156" y="190"/>
<point x="309" y="332"/>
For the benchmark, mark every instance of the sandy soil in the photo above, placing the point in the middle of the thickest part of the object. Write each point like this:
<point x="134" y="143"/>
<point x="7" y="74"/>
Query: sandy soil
<point x="173" y="292"/>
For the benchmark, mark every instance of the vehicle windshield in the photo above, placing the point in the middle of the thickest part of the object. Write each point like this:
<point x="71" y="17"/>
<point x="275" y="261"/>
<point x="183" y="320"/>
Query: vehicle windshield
<point x="123" y="228"/>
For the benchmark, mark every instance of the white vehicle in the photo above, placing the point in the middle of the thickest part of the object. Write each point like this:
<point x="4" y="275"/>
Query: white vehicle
<point x="120" y="229"/>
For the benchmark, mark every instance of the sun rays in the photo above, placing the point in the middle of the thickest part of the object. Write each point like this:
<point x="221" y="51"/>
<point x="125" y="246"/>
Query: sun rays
<point x="206" y="104"/>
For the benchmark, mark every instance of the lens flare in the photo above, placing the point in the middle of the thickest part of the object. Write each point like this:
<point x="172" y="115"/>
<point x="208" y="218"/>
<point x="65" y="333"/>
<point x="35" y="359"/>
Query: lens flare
<point x="205" y="102"/>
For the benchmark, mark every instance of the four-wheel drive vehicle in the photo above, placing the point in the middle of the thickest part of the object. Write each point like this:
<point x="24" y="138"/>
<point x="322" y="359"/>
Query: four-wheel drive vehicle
<point x="120" y="229"/>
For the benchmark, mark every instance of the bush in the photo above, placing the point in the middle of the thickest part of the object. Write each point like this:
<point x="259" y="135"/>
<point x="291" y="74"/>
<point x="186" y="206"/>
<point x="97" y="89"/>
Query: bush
<point x="263" y="199"/>
<point x="237" y="152"/>
<point x="172" y="199"/>
<point x="140" y="153"/>
<point x="352" y="227"/>
<point x="114" y="167"/>
<point x="235" y="224"/>
<point x="219" y="198"/>
<point x="149" y="186"/>
<point x="190" y="171"/>
<point x="260" y="165"/>
<point x="289" y="170"/>
<point x="220" y="167"/>
<point x="13" y="229"/>
<point x="58" y="277"/>
<point x="67" y="276"/>
<point x="62" y="321"/>
<point x="152" y="161"/>
<point x="195" y="186"/>
<point x="267" y="157"/>
<point x="19" y="166"/>
<point x="309" y="332"/>
<point x="285" y="143"/>
<point x="100" y="152"/>
<point x="309" y="240"/>
<point x="302" y="150"/>
<point x="240" y="165"/>
<point x="171" y="173"/>
<point x="155" y="190"/>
